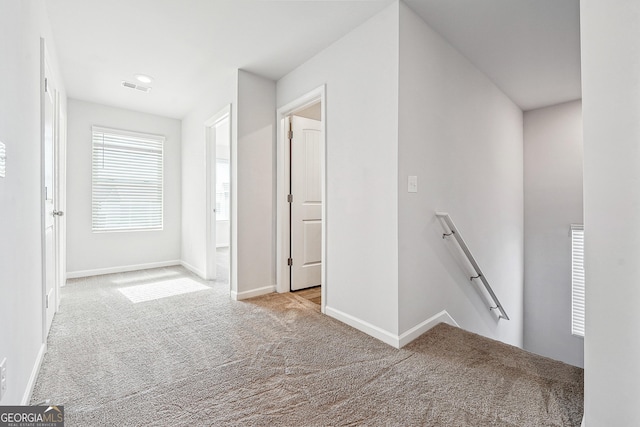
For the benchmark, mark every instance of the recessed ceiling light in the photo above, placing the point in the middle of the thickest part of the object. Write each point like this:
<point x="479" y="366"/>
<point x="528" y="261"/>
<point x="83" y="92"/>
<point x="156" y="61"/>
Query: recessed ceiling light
<point x="143" y="78"/>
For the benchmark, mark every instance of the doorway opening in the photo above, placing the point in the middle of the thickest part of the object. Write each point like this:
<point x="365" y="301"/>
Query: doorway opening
<point x="218" y="159"/>
<point x="301" y="192"/>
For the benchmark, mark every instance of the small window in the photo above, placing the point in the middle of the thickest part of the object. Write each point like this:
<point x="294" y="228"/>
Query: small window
<point x="577" y="280"/>
<point x="126" y="181"/>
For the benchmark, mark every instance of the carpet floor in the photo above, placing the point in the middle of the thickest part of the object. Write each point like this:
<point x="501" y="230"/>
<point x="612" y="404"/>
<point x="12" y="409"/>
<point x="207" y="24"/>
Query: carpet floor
<point x="185" y="354"/>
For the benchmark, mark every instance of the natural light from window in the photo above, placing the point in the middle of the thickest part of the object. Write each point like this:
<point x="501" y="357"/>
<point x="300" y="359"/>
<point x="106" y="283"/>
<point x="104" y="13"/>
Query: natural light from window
<point x="164" y="289"/>
<point x="158" y="275"/>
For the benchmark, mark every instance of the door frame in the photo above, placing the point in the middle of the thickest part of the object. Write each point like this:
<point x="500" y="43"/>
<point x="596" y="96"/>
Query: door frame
<point x="210" y="152"/>
<point x="283" y="232"/>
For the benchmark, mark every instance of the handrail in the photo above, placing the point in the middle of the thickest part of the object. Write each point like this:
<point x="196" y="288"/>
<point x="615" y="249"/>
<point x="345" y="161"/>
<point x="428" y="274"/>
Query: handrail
<point x="452" y="230"/>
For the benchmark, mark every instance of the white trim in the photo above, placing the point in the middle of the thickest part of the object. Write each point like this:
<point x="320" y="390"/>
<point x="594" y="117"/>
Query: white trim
<point x="193" y="269"/>
<point x="120" y="269"/>
<point x="239" y="296"/>
<point x="282" y="221"/>
<point x="397" y="341"/>
<point x="366" y="327"/>
<point x="26" y="397"/>
<point x="413" y="333"/>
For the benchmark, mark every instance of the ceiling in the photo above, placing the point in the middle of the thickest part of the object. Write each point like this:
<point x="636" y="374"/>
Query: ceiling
<point x="529" y="48"/>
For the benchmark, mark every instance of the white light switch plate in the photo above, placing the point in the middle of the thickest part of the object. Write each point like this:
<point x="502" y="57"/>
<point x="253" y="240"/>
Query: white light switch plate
<point x="413" y="184"/>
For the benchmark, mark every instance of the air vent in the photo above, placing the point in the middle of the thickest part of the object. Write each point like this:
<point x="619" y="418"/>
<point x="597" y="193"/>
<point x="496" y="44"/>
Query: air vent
<point x="130" y="85"/>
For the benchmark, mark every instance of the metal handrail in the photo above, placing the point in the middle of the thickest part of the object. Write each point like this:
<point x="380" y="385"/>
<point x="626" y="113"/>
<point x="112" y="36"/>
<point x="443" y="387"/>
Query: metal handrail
<point x="452" y="230"/>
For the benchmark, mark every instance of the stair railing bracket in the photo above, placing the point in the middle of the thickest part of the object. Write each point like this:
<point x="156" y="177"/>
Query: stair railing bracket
<point x="451" y="230"/>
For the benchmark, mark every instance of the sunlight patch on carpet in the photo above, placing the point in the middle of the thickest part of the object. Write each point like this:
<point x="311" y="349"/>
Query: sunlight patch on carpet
<point x="164" y="289"/>
<point x="151" y="275"/>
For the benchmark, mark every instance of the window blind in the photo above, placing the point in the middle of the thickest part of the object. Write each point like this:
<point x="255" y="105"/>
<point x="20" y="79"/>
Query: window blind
<point x="126" y="180"/>
<point x="577" y="280"/>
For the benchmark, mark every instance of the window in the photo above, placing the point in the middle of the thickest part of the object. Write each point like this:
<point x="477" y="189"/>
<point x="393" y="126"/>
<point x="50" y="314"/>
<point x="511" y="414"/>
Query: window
<point x="127" y="181"/>
<point x="222" y="189"/>
<point x="577" y="280"/>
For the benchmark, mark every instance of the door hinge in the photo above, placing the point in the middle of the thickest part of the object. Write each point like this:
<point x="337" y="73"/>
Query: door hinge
<point x="290" y="134"/>
<point x="46" y="298"/>
<point x="46" y="85"/>
<point x="290" y="261"/>
<point x="290" y="198"/>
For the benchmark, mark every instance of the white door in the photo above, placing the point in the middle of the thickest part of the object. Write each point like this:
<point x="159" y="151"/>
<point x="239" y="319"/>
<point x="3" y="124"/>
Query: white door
<point x="306" y="207"/>
<point x="49" y="173"/>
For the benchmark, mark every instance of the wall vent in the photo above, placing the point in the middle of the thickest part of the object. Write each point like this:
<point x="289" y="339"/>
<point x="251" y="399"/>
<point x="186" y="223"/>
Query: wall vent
<point x="130" y="85"/>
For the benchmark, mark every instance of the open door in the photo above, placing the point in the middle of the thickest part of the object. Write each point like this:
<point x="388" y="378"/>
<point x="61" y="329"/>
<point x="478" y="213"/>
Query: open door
<point x="306" y="202"/>
<point x="50" y="177"/>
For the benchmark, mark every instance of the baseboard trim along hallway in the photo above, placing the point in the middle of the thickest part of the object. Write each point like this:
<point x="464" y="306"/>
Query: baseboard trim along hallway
<point x="366" y="327"/>
<point x="121" y="269"/>
<point x="26" y="398"/>
<point x="397" y="341"/>
<point x="413" y="333"/>
<point x="239" y="296"/>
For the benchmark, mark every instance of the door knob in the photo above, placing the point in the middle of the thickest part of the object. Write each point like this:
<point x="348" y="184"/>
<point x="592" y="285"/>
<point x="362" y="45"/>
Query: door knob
<point x="58" y="213"/>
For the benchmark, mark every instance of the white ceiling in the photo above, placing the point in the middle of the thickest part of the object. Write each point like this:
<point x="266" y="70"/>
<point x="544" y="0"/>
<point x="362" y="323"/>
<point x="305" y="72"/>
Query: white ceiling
<point x="186" y="44"/>
<point x="529" y="48"/>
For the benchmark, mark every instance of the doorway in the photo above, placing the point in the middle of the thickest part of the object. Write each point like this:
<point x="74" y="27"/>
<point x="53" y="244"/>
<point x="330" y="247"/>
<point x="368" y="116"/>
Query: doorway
<point x="218" y="129"/>
<point x="301" y="192"/>
<point x="305" y="204"/>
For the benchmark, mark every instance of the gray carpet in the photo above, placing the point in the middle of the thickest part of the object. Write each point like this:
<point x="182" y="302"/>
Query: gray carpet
<point x="200" y="359"/>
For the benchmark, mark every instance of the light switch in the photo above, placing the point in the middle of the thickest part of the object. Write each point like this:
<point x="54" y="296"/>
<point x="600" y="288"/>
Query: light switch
<point x="3" y="160"/>
<point x="413" y="184"/>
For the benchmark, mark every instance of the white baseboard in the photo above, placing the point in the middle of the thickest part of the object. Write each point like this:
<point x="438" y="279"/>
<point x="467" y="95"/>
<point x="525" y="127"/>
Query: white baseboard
<point x="193" y="269"/>
<point x="26" y="397"/>
<point x="120" y="269"/>
<point x="238" y="296"/>
<point x="413" y="333"/>
<point x="397" y="341"/>
<point x="366" y="327"/>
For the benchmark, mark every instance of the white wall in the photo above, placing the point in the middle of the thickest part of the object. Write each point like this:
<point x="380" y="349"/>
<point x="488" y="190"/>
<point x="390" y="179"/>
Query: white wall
<point x="552" y="202"/>
<point x="92" y="253"/>
<point x="462" y="137"/>
<point x="361" y="76"/>
<point x="256" y="116"/>
<point x="611" y="110"/>
<point x="194" y="183"/>
<point x="22" y="23"/>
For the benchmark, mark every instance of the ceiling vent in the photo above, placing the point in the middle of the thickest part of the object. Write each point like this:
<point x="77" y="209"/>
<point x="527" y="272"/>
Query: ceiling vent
<point x="130" y="85"/>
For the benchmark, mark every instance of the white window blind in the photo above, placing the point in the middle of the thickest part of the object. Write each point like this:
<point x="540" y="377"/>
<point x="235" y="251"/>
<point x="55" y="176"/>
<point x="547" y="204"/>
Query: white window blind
<point x="126" y="181"/>
<point x="577" y="280"/>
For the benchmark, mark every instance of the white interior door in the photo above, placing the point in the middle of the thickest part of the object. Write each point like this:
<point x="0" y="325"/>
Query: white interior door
<point x="306" y="207"/>
<point x="49" y="174"/>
